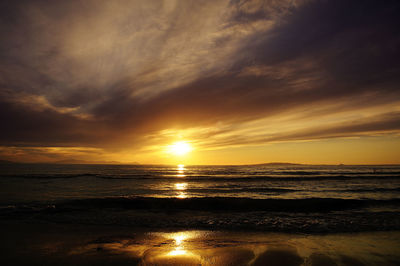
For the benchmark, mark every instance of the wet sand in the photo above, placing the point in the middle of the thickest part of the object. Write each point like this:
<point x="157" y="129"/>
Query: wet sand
<point x="39" y="243"/>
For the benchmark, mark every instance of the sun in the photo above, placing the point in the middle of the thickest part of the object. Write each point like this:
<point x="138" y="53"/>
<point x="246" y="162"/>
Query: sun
<point x="179" y="148"/>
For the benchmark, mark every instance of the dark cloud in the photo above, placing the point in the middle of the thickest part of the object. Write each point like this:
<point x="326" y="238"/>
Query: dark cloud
<point x="26" y="126"/>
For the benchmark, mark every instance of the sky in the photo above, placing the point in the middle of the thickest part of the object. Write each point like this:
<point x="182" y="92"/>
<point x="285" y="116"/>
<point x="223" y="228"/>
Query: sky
<point x="239" y="82"/>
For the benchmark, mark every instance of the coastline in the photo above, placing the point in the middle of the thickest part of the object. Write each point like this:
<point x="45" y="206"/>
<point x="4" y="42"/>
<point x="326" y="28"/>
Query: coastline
<point x="47" y="243"/>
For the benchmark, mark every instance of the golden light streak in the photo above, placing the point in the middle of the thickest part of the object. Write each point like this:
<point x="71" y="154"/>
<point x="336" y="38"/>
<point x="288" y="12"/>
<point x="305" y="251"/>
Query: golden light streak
<point x="181" y="186"/>
<point x="182" y="195"/>
<point x="181" y="170"/>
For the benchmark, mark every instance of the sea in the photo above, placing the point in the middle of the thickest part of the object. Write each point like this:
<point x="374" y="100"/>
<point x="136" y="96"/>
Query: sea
<point x="270" y="198"/>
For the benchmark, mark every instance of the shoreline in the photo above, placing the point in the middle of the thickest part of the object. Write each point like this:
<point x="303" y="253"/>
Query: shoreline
<point x="49" y="243"/>
<point x="307" y="216"/>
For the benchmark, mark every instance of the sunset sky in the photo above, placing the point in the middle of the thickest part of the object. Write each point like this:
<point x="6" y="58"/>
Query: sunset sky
<point x="237" y="82"/>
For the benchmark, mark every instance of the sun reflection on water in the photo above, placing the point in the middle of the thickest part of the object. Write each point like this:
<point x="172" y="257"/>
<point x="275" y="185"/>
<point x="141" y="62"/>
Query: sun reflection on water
<point x="182" y="195"/>
<point x="180" y="170"/>
<point x="181" y="186"/>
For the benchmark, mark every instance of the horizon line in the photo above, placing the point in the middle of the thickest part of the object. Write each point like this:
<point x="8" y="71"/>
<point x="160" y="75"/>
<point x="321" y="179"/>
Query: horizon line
<point x="164" y="164"/>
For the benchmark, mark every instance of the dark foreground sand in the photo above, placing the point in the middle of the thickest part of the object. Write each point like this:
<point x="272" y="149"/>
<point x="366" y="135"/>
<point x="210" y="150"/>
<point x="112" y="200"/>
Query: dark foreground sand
<point x="38" y="243"/>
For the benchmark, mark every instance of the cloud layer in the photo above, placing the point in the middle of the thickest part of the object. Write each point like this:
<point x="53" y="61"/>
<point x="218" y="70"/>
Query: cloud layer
<point x="131" y="74"/>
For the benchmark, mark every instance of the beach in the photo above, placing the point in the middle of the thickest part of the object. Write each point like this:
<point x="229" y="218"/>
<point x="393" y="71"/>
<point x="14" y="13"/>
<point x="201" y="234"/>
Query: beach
<point x="36" y="243"/>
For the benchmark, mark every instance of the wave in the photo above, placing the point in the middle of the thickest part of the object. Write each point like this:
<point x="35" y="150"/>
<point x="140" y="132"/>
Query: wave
<point x="297" y="178"/>
<point x="312" y="215"/>
<point x="240" y="190"/>
<point x="368" y="190"/>
<point x="350" y="173"/>
<point x="225" y="204"/>
<point x="67" y="176"/>
<point x="227" y="178"/>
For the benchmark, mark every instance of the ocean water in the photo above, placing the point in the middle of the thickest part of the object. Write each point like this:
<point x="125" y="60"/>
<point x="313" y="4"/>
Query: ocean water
<point x="285" y="198"/>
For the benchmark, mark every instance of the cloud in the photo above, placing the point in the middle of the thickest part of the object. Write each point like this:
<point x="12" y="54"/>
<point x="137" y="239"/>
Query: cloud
<point x="106" y="73"/>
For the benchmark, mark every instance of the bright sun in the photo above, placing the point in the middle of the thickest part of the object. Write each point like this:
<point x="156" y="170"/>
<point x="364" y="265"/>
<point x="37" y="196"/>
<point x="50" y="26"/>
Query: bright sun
<point x="179" y="148"/>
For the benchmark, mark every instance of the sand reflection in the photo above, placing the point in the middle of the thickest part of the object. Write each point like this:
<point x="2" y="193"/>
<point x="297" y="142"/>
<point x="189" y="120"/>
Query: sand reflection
<point x="243" y="248"/>
<point x="179" y="246"/>
<point x="175" y="249"/>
